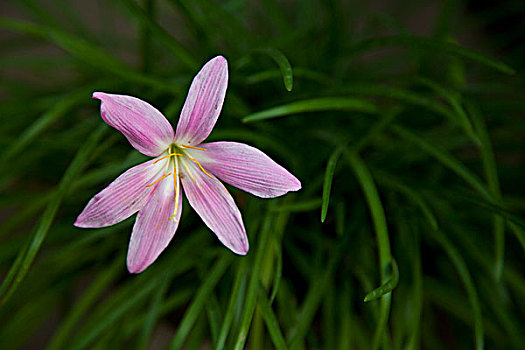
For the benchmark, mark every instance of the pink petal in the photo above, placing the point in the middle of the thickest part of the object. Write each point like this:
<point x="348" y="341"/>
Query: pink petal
<point x="126" y="195"/>
<point x="143" y="125"/>
<point x="154" y="227"/>
<point x="247" y="168"/>
<point x="214" y="204"/>
<point x="203" y="103"/>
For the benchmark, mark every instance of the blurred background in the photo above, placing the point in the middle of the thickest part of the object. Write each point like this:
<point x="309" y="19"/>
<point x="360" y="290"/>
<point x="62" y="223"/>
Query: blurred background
<point x="403" y="119"/>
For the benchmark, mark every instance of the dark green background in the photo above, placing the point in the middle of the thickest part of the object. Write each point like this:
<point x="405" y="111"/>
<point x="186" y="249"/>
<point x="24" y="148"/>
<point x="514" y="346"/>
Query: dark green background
<point x="412" y="110"/>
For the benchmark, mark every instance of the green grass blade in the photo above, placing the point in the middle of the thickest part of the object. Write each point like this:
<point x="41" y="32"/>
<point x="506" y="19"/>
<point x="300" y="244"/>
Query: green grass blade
<point x="198" y="303"/>
<point x="430" y="45"/>
<point x="454" y="101"/>
<point x="389" y="181"/>
<point x="314" y="105"/>
<point x="153" y="313"/>
<point x="378" y="216"/>
<point x="445" y="158"/>
<point x="86" y="52"/>
<point x="271" y="321"/>
<point x="165" y="39"/>
<point x="96" y="288"/>
<point x="94" y="333"/>
<point x="491" y="174"/>
<point x="66" y="104"/>
<point x="253" y="285"/>
<point x="230" y="311"/>
<point x="284" y="65"/>
<point x="466" y="278"/>
<point x="385" y="288"/>
<point x="27" y="256"/>
<point x="328" y="177"/>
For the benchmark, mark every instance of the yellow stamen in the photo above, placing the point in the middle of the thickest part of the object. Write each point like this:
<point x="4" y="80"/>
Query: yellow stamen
<point x="200" y="166"/>
<point x="188" y="171"/>
<point x="166" y="156"/>
<point x="199" y="148"/>
<point x="176" y="184"/>
<point x="162" y="177"/>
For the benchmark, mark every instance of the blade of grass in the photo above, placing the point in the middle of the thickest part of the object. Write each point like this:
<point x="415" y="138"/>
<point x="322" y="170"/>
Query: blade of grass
<point x="165" y="39"/>
<point x="314" y="105"/>
<point x="445" y="158"/>
<point x="356" y="147"/>
<point x="95" y="289"/>
<point x="385" y="258"/>
<point x="198" y="303"/>
<point x="466" y="278"/>
<point x="454" y="101"/>
<point x="253" y="284"/>
<point x="66" y="104"/>
<point x="385" y="288"/>
<point x="284" y="65"/>
<point x="86" y="52"/>
<point x="430" y="45"/>
<point x="491" y="174"/>
<point x="271" y="321"/>
<point x="153" y="313"/>
<point x="389" y="181"/>
<point x="236" y="294"/>
<point x="19" y="269"/>
<point x="328" y="177"/>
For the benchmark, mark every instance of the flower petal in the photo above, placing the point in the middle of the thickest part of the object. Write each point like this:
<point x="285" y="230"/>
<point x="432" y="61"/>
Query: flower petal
<point x="154" y="227"/>
<point x="247" y="168"/>
<point x="203" y="103"/>
<point x="126" y="195"/>
<point x="143" y="125"/>
<point x="214" y="204"/>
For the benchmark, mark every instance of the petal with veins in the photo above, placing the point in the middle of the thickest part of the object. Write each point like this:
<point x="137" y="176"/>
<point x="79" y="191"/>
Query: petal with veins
<point x="143" y="125"/>
<point x="154" y="227"/>
<point x="247" y="168"/>
<point x="214" y="204"/>
<point x="126" y="195"/>
<point x="203" y="103"/>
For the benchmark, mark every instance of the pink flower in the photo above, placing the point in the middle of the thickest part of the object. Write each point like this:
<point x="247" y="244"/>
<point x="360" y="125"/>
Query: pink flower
<point x="153" y="189"/>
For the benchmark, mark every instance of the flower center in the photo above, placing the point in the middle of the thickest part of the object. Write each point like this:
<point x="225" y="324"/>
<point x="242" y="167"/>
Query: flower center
<point x="175" y="151"/>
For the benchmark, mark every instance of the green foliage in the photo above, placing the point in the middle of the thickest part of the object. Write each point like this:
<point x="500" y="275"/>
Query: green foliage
<point x="407" y="145"/>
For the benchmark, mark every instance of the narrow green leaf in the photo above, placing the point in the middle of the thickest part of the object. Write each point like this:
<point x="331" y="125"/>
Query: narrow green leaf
<point x="314" y="105"/>
<point x="491" y="174"/>
<point x="82" y="305"/>
<point x="378" y="217"/>
<point x="271" y="321"/>
<point x="284" y="66"/>
<point x="466" y="278"/>
<point x="411" y="194"/>
<point x="65" y="104"/>
<point x="93" y="333"/>
<point x="454" y="101"/>
<point x="198" y="303"/>
<point x="18" y="271"/>
<point x="253" y="285"/>
<point x="236" y="295"/>
<point x="153" y="313"/>
<point x="86" y="52"/>
<point x="159" y="33"/>
<point x="444" y="158"/>
<point x="430" y="45"/>
<point x="328" y="177"/>
<point x="385" y="288"/>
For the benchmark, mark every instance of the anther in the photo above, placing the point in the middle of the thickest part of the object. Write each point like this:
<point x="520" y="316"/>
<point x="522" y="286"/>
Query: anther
<point x="162" y="177"/>
<point x="194" y="147"/>
<point x="200" y="166"/>
<point x="166" y="156"/>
